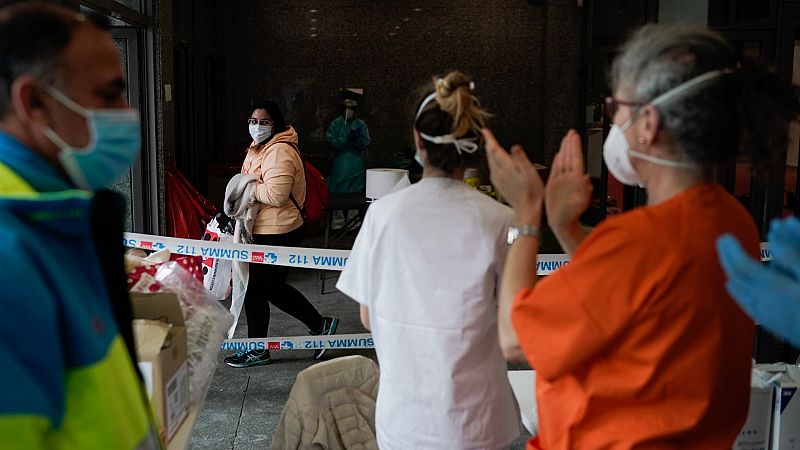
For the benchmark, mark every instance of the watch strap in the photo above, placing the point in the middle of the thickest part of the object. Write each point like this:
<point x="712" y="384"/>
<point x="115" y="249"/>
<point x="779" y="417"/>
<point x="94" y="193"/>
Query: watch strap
<point x="517" y="231"/>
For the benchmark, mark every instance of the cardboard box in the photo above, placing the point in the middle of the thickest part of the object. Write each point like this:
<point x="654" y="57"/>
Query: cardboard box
<point x="785" y="379"/>
<point x="161" y="347"/>
<point x="786" y="415"/>
<point x="755" y="433"/>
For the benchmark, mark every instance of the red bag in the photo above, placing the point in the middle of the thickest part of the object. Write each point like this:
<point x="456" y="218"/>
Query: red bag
<point x="316" y="191"/>
<point x="188" y="211"/>
<point x="192" y="264"/>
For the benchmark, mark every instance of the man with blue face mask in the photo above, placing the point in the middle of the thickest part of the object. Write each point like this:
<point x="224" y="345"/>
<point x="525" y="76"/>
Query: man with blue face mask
<point x="66" y="132"/>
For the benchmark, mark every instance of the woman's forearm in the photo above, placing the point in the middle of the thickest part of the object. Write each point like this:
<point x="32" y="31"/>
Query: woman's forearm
<point x="519" y="273"/>
<point x="570" y="236"/>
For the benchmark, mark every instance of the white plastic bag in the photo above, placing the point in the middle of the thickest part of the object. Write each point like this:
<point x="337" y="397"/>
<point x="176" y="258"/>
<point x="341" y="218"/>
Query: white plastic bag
<point x="241" y="276"/>
<point x="207" y="321"/>
<point x="217" y="272"/>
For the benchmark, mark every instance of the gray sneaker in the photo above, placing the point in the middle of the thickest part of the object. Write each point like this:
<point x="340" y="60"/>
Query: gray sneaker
<point x="249" y="358"/>
<point x="329" y="325"/>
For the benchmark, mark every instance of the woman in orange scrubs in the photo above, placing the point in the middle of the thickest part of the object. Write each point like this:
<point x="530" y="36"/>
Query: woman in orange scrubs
<point x="636" y="343"/>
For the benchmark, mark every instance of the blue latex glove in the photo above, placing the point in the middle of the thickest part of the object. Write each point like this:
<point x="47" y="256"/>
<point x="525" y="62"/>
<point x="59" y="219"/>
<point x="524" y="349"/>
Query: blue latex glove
<point x="770" y="294"/>
<point x="784" y="240"/>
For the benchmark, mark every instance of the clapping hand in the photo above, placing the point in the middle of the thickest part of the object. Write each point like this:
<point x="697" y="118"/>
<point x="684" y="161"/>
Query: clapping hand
<point x="770" y="294"/>
<point x="569" y="188"/>
<point x="784" y="239"/>
<point x="514" y="176"/>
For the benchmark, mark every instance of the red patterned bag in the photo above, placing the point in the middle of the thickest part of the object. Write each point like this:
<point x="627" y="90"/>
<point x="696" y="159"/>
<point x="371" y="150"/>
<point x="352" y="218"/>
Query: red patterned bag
<point x="143" y="279"/>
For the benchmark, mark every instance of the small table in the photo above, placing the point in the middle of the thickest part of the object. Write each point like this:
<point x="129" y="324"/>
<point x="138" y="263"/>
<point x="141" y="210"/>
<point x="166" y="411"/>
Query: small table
<point x="341" y="202"/>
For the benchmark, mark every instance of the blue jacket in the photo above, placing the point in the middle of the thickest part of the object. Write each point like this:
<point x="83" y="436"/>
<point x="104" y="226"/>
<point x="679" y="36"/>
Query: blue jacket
<point x="67" y="380"/>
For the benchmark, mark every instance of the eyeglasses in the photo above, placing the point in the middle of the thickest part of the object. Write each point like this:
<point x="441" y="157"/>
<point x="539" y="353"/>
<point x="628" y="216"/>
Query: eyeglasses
<point x="611" y="106"/>
<point x="254" y="121"/>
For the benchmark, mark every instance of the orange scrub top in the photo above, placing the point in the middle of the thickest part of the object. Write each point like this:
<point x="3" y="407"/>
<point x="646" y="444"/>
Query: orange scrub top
<point x="636" y="343"/>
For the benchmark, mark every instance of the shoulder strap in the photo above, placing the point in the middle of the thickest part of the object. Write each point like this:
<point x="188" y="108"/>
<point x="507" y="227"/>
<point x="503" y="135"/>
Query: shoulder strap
<point x="291" y="197"/>
<point x="290" y="144"/>
<point x="294" y="146"/>
<point x="296" y="205"/>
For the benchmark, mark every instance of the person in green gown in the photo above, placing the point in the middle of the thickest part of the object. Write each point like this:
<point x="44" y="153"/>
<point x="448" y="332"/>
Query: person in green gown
<point x="349" y="137"/>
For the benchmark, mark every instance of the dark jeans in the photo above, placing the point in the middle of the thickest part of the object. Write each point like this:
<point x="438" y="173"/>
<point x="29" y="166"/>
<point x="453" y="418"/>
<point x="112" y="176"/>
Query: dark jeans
<point x="267" y="285"/>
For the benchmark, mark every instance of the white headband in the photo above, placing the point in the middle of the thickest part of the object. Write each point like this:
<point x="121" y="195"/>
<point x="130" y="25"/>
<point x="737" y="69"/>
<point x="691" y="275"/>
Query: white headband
<point x="693" y="83"/>
<point x="463" y="145"/>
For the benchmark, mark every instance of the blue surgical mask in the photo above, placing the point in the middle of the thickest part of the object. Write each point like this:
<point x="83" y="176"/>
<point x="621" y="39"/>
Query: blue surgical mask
<point x="114" y="142"/>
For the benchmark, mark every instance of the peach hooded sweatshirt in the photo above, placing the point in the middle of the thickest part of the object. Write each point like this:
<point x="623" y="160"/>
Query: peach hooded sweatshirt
<point x="279" y="171"/>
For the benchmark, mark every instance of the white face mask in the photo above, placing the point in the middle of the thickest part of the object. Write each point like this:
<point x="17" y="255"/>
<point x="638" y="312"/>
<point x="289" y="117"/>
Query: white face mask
<point x="418" y="158"/>
<point x="349" y="114"/>
<point x="617" y="155"/>
<point x="259" y="133"/>
<point x="617" y="151"/>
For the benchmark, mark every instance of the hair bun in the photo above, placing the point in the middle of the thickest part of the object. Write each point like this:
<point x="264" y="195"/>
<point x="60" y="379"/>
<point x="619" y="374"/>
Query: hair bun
<point x="443" y="88"/>
<point x="454" y="97"/>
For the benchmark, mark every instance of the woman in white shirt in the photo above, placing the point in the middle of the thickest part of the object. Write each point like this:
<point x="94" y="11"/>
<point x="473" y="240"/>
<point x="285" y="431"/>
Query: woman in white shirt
<point x="424" y="268"/>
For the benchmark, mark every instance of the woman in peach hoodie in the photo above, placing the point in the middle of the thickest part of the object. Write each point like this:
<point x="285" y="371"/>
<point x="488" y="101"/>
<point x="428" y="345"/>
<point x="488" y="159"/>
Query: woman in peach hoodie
<point x="274" y="159"/>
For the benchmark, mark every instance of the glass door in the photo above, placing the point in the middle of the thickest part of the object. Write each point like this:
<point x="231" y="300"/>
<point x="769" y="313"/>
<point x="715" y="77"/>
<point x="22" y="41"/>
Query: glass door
<point x="782" y="188"/>
<point x="762" y="198"/>
<point x="130" y="185"/>
<point x="130" y="30"/>
<point x="791" y="203"/>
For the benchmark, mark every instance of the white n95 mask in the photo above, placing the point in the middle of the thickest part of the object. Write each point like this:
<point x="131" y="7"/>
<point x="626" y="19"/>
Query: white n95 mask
<point x="617" y="151"/>
<point x="616" y="154"/>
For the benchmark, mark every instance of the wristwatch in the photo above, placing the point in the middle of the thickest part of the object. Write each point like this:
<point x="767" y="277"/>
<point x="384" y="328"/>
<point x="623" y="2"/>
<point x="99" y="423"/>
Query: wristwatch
<point x="515" y="232"/>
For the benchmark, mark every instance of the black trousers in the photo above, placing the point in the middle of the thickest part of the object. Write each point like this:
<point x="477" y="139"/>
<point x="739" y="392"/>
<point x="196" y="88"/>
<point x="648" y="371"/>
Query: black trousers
<point x="267" y="284"/>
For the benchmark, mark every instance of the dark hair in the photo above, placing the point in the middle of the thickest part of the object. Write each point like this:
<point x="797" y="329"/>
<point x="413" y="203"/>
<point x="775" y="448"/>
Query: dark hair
<point x="454" y="111"/>
<point x="33" y="35"/>
<point x="745" y="111"/>
<point x="279" y="122"/>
